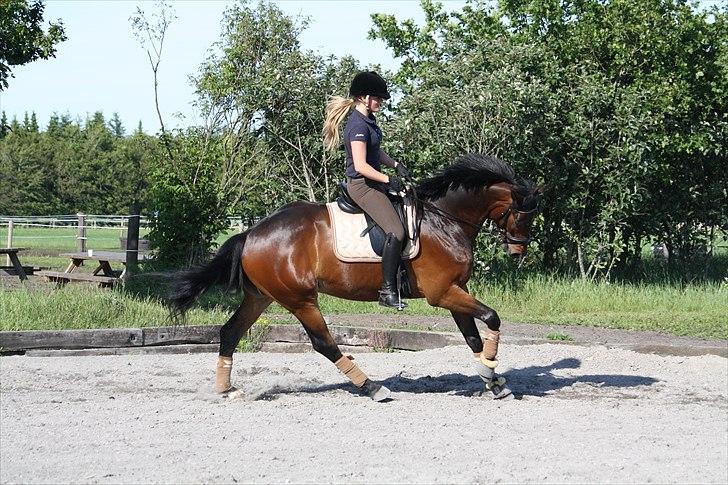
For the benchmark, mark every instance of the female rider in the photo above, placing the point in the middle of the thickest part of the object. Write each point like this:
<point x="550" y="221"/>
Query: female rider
<point x="365" y="182"/>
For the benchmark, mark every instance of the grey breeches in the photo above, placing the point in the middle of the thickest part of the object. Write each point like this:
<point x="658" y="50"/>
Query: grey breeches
<point x="376" y="204"/>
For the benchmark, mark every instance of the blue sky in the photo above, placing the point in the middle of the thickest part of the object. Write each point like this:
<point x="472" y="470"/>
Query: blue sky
<point x="102" y="67"/>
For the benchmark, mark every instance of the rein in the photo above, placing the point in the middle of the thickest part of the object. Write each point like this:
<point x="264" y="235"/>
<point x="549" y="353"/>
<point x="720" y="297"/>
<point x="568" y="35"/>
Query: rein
<point x="436" y="210"/>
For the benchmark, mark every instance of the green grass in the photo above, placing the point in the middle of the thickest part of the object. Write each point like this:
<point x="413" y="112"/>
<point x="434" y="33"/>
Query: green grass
<point x="699" y="310"/>
<point x="560" y="337"/>
<point x="254" y="339"/>
<point x="81" y="306"/>
<point x="64" y="238"/>
<point x="44" y="244"/>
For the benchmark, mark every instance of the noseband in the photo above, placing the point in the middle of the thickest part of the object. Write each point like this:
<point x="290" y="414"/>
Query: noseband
<point x="507" y="238"/>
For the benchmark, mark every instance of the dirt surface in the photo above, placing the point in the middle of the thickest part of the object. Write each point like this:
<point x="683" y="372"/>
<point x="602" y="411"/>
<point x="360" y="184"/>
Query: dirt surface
<point x="582" y="414"/>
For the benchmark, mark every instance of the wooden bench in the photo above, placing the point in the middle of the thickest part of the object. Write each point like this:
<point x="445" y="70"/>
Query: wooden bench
<point x="12" y="253"/>
<point x="103" y="260"/>
<point x="61" y="277"/>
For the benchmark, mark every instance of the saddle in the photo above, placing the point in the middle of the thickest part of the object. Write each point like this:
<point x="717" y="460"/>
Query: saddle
<point x="358" y="239"/>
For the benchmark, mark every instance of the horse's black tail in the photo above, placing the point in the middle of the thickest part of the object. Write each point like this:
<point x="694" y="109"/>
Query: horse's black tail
<point x="223" y="269"/>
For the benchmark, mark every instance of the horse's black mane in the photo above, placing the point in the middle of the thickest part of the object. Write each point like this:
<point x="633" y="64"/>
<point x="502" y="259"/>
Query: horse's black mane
<point x="470" y="172"/>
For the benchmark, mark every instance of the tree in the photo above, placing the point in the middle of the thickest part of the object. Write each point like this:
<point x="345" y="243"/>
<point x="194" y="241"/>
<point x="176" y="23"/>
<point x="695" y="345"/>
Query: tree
<point x="22" y="39"/>
<point x="260" y="144"/>
<point x="116" y="126"/>
<point x="611" y="104"/>
<point x="4" y="126"/>
<point x="265" y="89"/>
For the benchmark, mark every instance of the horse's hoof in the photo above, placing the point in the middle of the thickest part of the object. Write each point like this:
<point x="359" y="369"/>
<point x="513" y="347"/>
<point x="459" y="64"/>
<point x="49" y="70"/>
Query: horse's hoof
<point x="376" y="391"/>
<point x="382" y="394"/>
<point x="231" y="393"/>
<point x="501" y="392"/>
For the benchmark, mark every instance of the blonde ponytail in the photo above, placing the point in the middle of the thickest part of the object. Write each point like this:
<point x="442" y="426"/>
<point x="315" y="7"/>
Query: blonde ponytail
<point x="336" y="110"/>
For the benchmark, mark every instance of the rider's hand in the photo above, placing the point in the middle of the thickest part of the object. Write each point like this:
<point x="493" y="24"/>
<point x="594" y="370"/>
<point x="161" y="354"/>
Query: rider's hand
<point x="402" y="171"/>
<point x="395" y="184"/>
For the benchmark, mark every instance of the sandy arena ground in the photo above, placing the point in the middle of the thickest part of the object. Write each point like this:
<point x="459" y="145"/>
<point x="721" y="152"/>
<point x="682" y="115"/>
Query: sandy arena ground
<point x="582" y="414"/>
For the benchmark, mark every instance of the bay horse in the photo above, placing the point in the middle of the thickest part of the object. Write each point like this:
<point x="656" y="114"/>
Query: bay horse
<point x="288" y="257"/>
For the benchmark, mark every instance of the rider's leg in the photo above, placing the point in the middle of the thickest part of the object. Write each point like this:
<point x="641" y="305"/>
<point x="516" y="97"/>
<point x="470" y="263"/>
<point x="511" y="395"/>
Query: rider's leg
<point x="391" y="256"/>
<point x="378" y="206"/>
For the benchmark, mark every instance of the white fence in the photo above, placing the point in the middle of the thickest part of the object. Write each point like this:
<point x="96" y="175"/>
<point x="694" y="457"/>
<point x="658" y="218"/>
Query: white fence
<point x="81" y="224"/>
<point x="91" y="221"/>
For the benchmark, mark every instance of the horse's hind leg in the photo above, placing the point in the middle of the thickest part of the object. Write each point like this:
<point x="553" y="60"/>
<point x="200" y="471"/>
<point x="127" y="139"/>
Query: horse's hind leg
<point x="313" y="322"/>
<point x="230" y="334"/>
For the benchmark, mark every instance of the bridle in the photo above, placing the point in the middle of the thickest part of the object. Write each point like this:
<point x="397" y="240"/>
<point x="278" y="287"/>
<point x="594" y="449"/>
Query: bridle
<point x="507" y="238"/>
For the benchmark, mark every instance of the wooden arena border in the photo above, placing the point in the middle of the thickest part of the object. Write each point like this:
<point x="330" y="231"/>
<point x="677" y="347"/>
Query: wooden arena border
<point x="281" y="338"/>
<point x="207" y="336"/>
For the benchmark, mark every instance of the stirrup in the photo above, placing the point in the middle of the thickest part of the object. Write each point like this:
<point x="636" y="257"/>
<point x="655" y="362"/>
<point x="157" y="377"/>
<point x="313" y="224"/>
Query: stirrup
<point x="390" y="299"/>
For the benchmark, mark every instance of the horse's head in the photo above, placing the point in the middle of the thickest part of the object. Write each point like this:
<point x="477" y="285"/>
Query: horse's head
<point x="519" y="207"/>
<point x="510" y="201"/>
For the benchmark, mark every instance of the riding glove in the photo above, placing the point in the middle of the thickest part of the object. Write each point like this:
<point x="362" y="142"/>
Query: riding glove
<point x="395" y="184"/>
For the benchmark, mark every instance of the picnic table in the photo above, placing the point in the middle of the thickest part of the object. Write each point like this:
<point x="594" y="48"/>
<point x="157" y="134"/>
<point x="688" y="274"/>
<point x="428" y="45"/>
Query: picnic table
<point x="12" y="253"/>
<point x="103" y="274"/>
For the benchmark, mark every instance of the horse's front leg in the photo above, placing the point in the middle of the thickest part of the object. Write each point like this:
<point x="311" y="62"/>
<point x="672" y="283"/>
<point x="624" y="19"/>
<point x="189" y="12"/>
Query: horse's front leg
<point x="465" y="308"/>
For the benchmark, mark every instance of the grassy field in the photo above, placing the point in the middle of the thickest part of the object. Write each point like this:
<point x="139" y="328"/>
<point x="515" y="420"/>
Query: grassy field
<point x="64" y="238"/>
<point x="693" y="310"/>
<point x="657" y="299"/>
<point x="44" y="244"/>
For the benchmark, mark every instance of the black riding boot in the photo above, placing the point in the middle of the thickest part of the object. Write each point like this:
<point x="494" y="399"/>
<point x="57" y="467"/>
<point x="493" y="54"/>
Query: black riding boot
<point x="391" y="256"/>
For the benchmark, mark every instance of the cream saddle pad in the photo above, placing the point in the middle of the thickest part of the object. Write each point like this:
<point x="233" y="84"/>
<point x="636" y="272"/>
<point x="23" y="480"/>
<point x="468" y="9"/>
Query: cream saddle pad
<point x="351" y="247"/>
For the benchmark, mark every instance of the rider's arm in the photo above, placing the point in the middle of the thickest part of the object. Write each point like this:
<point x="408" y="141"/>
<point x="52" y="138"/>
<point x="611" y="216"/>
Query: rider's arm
<point x="359" y="155"/>
<point x="386" y="159"/>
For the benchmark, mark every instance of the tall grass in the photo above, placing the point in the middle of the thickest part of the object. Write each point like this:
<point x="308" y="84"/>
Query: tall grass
<point x="80" y="306"/>
<point x="699" y="310"/>
<point x="696" y="310"/>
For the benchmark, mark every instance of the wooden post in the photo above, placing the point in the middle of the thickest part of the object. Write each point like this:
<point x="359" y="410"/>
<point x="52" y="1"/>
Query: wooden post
<point x="81" y="238"/>
<point x="132" y="240"/>
<point x="10" y="243"/>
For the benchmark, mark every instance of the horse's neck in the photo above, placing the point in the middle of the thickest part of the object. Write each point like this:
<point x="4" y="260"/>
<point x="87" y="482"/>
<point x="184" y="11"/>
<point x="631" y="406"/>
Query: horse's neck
<point x="475" y="207"/>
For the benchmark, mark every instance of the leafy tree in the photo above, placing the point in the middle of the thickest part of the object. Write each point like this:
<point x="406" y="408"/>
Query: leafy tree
<point x="116" y="126"/>
<point x="27" y="185"/>
<point x="72" y="167"/>
<point x="260" y="143"/>
<point x="611" y="104"/>
<point x="22" y="39"/>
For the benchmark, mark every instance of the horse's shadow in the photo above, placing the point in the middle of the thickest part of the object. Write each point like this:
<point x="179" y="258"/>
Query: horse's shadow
<point x="526" y="381"/>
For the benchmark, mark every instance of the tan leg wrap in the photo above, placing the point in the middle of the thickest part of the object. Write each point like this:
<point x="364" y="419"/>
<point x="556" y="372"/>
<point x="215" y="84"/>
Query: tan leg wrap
<point x="351" y="370"/>
<point x="491" y="345"/>
<point x="486" y="362"/>
<point x="222" y="374"/>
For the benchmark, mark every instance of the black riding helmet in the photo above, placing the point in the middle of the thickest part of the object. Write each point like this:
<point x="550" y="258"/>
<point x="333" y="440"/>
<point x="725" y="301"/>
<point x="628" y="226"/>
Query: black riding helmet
<point x="368" y="83"/>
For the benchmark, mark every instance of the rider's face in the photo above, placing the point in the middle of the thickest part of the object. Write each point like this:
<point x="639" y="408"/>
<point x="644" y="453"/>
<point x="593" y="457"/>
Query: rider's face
<point x="374" y="103"/>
